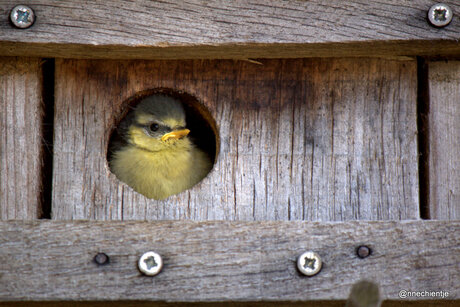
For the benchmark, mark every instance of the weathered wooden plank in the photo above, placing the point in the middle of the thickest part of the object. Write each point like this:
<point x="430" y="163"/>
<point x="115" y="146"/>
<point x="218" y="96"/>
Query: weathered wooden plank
<point x="299" y="139"/>
<point x="211" y="304"/>
<point x="20" y="137"/>
<point x="229" y="29"/>
<point x="433" y="303"/>
<point x="444" y="139"/>
<point x="224" y="261"/>
<point x="394" y="303"/>
<point x="223" y="304"/>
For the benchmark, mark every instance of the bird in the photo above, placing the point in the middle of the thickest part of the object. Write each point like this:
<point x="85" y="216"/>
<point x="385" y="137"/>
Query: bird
<point x="154" y="154"/>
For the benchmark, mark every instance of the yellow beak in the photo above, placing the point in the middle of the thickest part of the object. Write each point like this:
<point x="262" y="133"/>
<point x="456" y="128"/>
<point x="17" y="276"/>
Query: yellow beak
<point x="175" y="134"/>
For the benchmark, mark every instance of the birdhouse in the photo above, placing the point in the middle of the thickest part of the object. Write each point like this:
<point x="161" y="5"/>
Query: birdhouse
<point x="332" y="146"/>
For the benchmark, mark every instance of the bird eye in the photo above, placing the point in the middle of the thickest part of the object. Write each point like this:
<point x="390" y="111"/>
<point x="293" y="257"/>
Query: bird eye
<point x="154" y="127"/>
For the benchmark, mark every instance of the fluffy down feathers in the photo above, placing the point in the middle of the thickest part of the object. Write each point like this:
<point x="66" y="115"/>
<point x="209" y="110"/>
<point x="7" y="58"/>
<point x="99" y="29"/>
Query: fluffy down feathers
<point x="152" y="167"/>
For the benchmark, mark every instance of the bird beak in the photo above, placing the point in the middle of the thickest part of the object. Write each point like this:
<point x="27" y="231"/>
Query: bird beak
<point x="175" y="134"/>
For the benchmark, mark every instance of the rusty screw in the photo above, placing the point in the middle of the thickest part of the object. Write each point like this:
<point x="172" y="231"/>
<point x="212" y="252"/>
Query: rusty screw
<point x="101" y="259"/>
<point x="22" y="16"/>
<point x="309" y="263"/>
<point x="440" y="15"/>
<point x="150" y="264"/>
<point x="363" y="251"/>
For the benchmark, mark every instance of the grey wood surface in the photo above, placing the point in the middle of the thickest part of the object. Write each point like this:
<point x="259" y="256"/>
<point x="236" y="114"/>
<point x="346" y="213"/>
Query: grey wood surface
<point x="20" y="137"/>
<point x="393" y="303"/>
<point x="224" y="261"/>
<point x="311" y="139"/>
<point x="229" y="29"/>
<point x="323" y="303"/>
<point x="444" y="140"/>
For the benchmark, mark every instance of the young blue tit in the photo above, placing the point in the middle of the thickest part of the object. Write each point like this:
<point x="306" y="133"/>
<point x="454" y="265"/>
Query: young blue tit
<point x="156" y="157"/>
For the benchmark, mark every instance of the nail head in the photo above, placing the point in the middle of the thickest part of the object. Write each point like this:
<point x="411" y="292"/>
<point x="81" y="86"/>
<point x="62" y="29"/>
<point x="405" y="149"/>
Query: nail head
<point x="440" y="15"/>
<point x="22" y="16"/>
<point x="309" y="263"/>
<point x="150" y="264"/>
<point x="363" y="251"/>
<point x="101" y="259"/>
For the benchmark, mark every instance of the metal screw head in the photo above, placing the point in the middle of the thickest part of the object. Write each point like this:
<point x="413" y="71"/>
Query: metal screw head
<point x="309" y="263"/>
<point x="150" y="264"/>
<point x="440" y="15"/>
<point x="22" y="16"/>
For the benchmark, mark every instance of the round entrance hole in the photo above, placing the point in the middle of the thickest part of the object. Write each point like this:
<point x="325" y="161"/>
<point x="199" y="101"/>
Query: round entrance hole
<point x="164" y="143"/>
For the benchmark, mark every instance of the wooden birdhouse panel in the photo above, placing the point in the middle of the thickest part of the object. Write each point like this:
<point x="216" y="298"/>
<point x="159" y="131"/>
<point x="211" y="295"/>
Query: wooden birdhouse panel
<point x="20" y="138"/>
<point x="226" y="261"/>
<point x="229" y="29"/>
<point x="444" y="140"/>
<point x="298" y="139"/>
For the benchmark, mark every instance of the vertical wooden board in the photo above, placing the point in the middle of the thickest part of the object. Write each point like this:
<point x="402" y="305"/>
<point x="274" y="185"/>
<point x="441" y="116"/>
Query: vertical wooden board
<point x="300" y="139"/>
<point x="20" y="137"/>
<point x="444" y="140"/>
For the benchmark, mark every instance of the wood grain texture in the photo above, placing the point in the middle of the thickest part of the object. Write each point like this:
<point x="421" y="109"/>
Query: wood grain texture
<point x="224" y="261"/>
<point x="336" y="303"/>
<point x="229" y="29"/>
<point x="444" y="140"/>
<point x="20" y="137"/>
<point x="392" y="303"/>
<point x="314" y="139"/>
<point x="209" y="304"/>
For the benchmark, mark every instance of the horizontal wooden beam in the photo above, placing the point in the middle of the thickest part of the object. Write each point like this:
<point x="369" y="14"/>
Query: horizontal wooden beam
<point x="224" y="261"/>
<point x="229" y="29"/>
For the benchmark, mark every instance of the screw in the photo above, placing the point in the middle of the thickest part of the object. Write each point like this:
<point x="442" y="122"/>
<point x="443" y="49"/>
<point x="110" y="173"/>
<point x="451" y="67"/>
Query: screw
<point x="22" y="16"/>
<point x="363" y="251"/>
<point x="101" y="259"/>
<point x="440" y="15"/>
<point x="309" y="263"/>
<point x="150" y="264"/>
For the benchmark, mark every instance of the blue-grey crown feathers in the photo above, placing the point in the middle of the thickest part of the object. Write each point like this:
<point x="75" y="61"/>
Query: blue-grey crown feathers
<point x="162" y="107"/>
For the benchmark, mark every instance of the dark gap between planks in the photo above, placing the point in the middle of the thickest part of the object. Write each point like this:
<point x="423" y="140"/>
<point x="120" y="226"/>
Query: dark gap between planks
<point x="47" y="137"/>
<point x="423" y="108"/>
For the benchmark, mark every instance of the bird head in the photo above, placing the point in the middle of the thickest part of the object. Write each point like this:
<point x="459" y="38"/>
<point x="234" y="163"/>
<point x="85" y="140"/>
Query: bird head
<point x="157" y="123"/>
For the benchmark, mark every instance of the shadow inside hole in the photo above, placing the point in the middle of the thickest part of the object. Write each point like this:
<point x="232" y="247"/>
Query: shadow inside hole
<point x="202" y="126"/>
